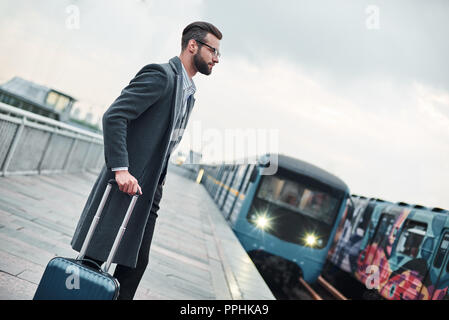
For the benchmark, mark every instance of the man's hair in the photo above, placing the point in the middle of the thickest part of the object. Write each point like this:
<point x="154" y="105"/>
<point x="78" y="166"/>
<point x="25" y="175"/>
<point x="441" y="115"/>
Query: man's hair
<point x="198" y="31"/>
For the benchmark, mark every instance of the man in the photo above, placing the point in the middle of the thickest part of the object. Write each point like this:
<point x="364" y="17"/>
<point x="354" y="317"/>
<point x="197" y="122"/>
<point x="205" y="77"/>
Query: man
<point x="141" y="129"/>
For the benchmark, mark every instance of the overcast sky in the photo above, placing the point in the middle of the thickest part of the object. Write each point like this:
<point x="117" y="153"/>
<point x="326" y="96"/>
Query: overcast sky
<point x="359" y="88"/>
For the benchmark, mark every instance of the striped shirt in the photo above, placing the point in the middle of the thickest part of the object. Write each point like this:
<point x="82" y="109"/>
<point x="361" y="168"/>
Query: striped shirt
<point x="188" y="90"/>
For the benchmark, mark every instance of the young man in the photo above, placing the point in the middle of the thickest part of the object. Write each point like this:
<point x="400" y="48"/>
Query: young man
<point x="141" y="129"/>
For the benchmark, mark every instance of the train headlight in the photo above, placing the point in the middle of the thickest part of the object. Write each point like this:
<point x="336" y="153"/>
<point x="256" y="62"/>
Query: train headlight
<point x="311" y="240"/>
<point x="262" y="222"/>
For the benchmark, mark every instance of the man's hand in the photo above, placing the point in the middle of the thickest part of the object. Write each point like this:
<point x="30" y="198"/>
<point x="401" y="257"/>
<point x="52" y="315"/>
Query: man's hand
<point x="126" y="182"/>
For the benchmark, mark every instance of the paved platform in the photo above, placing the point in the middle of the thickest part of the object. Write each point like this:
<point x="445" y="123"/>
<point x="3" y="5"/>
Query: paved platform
<point x="194" y="255"/>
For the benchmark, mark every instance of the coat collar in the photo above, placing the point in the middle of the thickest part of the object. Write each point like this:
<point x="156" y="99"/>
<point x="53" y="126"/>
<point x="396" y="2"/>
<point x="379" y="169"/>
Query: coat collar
<point x="175" y="63"/>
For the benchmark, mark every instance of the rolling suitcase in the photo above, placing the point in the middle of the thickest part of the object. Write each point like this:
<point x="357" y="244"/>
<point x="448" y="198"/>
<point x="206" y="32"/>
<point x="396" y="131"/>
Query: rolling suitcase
<point x="72" y="279"/>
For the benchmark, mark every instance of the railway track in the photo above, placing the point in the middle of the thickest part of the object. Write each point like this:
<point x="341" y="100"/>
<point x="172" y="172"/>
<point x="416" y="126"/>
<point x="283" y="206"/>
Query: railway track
<point x="290" y="289"/>
<point x="322" y="290"/>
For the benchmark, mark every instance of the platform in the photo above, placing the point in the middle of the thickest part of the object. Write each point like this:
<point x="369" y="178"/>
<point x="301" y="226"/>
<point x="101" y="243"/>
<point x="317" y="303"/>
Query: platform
<point x="194" y="255"/>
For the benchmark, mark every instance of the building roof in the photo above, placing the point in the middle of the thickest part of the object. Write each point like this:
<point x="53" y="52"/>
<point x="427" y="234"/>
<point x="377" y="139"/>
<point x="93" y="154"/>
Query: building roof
<point x="30" y="91"/>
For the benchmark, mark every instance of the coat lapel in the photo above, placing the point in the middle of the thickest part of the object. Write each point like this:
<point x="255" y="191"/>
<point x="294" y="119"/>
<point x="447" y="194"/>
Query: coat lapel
<point x="175" y="63"/>
<point x="176" y="66"/>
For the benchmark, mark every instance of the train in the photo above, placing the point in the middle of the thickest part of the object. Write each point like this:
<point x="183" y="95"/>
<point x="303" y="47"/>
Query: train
<point x="302" y="221"/>
<point x="398" y="251"/>
<point x="286" y="221"/>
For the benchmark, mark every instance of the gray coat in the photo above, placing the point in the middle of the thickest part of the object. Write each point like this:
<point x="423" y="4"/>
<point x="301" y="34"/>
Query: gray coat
<point x="137" y="128"/>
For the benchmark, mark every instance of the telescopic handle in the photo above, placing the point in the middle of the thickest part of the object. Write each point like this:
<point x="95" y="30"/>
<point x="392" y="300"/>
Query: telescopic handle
<point x="96" y="219"/>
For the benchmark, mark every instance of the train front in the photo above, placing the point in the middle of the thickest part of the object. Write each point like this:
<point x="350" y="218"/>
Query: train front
<point x="288" y="219"/>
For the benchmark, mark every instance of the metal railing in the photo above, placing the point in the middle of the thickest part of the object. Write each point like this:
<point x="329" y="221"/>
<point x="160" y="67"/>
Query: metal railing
<point x="33" y="144"/>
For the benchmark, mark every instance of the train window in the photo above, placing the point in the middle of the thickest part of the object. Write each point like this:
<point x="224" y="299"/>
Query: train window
<point x="318" y="204"/>
<point x="442" y="250"/>
<point x="280" y="190"/>
<point x="411" y="238"/>
<point x="270" y="188"/>
<point x="247" y="179"/>
<point x="385" y="224"/>
<point x="295" y="209"/>
<point x="360" y="219"/>
<point x="239" y="176"/>
<point x="313" y="203"/>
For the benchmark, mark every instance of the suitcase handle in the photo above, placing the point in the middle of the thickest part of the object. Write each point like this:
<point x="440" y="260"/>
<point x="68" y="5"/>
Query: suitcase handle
<point x="94" y="263"/>
<point x="114" y="182"/>
<point x="94" y="224"/>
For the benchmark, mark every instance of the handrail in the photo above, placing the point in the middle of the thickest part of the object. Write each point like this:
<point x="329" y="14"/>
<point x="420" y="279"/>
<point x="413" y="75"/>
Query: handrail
<point x="34" y="144"/>
<point x="5" y="108"/>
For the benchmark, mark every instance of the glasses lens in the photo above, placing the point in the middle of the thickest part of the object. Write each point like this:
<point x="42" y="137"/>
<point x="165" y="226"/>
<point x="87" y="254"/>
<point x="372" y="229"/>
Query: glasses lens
<point x="215" y="51"/>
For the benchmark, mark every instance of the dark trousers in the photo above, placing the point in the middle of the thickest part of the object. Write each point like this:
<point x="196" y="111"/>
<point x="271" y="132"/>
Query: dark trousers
<point x="129" y="278"/>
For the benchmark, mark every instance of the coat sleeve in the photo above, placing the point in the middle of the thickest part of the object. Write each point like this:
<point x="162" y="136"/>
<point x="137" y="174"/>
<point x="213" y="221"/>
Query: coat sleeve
<point x="147" y="87"/>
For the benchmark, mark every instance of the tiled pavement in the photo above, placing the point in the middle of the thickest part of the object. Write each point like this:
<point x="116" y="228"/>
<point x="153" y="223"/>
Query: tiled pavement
<point x="194" y="254"/>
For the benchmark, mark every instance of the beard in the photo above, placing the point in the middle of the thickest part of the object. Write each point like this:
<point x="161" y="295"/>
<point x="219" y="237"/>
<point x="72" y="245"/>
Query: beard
<point x="201" y="65"/>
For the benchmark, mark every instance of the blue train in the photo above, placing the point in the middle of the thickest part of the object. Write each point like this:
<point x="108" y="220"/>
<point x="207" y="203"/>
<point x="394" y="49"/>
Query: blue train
<point x="285" y="221"/>
<point x="397" y="250"/>
<point x="302" y="219"/>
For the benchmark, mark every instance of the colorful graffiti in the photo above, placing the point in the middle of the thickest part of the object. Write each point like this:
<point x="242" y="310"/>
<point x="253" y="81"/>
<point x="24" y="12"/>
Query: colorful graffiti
<point x="404" y="286"/>
<point x="373" y="256"/>
<point x="397" y="225"/>
<point x="396" y="285"/>
<point x="395" y="248"/>
<point x="409" y="286"/>
<point x="403" y="277"/>
<point x="350" y="233"/>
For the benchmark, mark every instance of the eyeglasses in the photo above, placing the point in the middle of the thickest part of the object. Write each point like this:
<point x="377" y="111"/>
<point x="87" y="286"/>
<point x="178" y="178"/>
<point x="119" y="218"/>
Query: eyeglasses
<point x="214" y="50"/>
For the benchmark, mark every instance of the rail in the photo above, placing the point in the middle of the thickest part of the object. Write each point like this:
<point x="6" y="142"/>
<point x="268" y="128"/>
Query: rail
<point x="329" y="289"/>
<point x="312" y="292"/>
<point x="33" y="144"/>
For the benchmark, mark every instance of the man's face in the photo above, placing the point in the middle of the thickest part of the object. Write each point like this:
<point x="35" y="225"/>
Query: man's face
<point x="205" y="59"/>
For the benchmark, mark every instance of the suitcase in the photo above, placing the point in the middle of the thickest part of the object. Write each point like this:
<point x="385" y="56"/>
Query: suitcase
<point x="72" y="279"/>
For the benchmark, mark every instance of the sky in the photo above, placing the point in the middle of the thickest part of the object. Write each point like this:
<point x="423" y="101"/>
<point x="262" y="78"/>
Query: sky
<point x="359" y="88"/>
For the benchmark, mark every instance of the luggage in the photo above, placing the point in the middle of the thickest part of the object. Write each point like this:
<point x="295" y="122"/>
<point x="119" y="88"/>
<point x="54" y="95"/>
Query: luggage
<point x="72" y="279"/>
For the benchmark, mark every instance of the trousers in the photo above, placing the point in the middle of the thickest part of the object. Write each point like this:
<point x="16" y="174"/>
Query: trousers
<point x="129" y="278"/>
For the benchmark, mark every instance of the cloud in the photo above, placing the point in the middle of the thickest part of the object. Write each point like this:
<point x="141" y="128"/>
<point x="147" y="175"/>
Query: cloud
<point x="332" y="36"/>
<point x="384" y="138"/>
<point x="368" y="105"/>
<point x="95" y="61"/>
